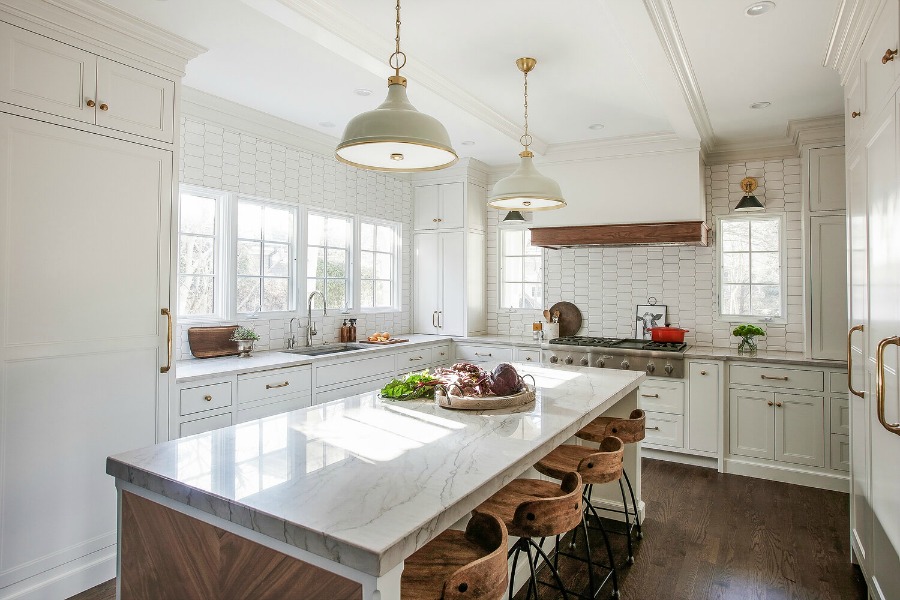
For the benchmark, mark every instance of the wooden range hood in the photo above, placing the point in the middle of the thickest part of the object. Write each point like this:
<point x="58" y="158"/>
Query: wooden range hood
<point x="681" y="233"/>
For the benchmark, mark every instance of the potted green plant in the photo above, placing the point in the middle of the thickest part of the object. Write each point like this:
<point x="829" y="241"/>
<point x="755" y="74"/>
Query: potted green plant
<point x="748" y="334"/>
<point x="244" y="336"/>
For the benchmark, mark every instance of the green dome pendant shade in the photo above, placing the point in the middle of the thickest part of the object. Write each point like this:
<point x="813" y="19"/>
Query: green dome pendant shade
<point x="526" y="189"/>
<point x="395" y="136"/>
<point x="749" y="203"/>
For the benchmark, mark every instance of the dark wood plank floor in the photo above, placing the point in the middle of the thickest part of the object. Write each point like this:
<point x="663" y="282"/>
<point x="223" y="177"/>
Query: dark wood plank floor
<point x="721" y="537"/>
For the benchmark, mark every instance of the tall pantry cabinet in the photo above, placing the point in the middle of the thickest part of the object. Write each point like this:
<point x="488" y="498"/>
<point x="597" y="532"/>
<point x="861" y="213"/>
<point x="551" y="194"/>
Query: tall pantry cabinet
<point x="865" y="52"/>
<point x="87" y="181"/>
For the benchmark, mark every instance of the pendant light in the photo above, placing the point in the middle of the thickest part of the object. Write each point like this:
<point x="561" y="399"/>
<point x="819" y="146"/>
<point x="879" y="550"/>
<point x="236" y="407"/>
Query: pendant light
<point x="395" y="136"/>
<point x="526" y="188"/>
<point x="749" y="203"/>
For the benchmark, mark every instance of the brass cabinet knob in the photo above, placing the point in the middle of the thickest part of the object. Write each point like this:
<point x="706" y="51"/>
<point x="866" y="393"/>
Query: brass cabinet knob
<point x="91" y="103"/>
<point x="778" y="404"/>
<point x="888" y="56"/>
<point x="104" y="106"/>
<point x="208" y="398"/>
<point x="435" y="220"/>
<point x="528" y="358"/>
<point x="703" y="372"/>
<point x="855" y="114"/>
<point x="770" y="403"/>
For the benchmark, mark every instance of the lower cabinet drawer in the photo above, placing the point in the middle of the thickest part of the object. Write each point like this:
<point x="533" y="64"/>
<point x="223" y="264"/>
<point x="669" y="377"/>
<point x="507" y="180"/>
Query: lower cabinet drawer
<point x="204" y="397"/>
<point x="840" y="415"/>
<point x="665" y="430"/>
<point x="483" y="353"/>
<point x="364" y="387"/>
<point x="336" y="374"/>
<point x="840" y="452"/>
<point x="414" y="360"/>
<point x="838" y="383"/>
<point x="529" y="356"/>
<point x="779" y="377"/>
<point x="442" y="354"/>
<point x="662" y="397"/>
<point x="257" y="386"/>
<point x="261" y="411"/>
<point x="204" y="425"/>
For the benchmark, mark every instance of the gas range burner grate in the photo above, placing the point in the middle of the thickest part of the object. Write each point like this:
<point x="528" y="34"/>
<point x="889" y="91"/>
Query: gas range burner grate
<point x="665" y="346"/>
<point x="602" y="342"/>
<point x="582" y="340"/>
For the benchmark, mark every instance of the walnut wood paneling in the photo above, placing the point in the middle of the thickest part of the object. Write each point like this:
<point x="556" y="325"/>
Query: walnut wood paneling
<point x="167" y="555"/>
<point x="686" y="233"/>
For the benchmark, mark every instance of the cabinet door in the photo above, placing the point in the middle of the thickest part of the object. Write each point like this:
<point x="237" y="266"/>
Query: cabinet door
<point x="136" y="102"/>
<point x="426" y="211"/>
<point x="800" y="429"/>
<point x="703" y="400"/>
<point x="83" y="273"/>
<point x="452" y="310"/>
<point x="828" y="280"/>
<point x="43" y="74"/>
<point x="752" y="432"/>
<point x="854" y="109"/>
<point x="879" y="76"/>
<point x="427" y="280"/>
<point x="453" y="205"/>
<point x="827" y="179"/>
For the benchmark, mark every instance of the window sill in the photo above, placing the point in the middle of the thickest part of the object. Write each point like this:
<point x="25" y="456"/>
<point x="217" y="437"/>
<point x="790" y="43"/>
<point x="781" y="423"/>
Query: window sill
<point x="739" y="320"/>
<point x="379" y="311"/>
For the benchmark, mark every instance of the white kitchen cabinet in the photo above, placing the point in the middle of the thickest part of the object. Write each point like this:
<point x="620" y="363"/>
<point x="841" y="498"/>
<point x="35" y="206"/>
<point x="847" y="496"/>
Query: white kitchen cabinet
<point x="204" y="398"/>
<point x="440" y="206"/>
<point x="827" y="179"/>
<point x="879" y="75"/>
<point x="204" y="424"/>
<point x="828" y="286"/>
<point x="42" y="74"/>
<point x="704" y="383"/>
<point x="800" y="429"/>
<point x="664" y="429"/>
<point x="752" y="426"/>
<point x="480" y="353"/>
<point x="854" y="112"/>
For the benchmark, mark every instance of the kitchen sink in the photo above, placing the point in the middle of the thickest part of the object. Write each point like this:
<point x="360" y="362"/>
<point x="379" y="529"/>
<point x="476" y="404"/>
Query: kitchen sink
<point x="322" y="350"/>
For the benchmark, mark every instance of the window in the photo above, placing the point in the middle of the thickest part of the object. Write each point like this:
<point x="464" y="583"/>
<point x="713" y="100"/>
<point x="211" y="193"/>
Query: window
<point x="377" y="265"/>
<point x="751" y="267"/>
<point x="328" y="269"/>
<point x="199" y="272"/>
<point x="521" y="270"/>
<point x="265" y="257"/>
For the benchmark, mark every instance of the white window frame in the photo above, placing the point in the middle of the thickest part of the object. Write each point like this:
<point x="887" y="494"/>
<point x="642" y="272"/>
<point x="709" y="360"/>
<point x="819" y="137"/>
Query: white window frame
<point x="500" y="278"/>
<point x="396" y="279"/>
<point x="222" y="277"/>
<point x="782" y="256"/>
<point x="352" y="268"/>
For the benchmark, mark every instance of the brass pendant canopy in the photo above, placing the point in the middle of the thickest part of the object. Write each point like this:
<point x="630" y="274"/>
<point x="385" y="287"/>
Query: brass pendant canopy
<point x="526" y="189"/>
<point x="395" y="136"/>
<point x="749" y="203"/>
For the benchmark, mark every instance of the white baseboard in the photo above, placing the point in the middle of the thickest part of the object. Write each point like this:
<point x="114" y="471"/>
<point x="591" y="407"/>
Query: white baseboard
<point x="787" y="474"/>
<point x="678" y="457"/>
<point x="66" y="580"/>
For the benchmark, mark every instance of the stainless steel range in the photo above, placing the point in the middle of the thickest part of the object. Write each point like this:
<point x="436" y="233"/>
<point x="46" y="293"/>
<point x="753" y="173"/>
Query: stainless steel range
<point x="656" y="358"/>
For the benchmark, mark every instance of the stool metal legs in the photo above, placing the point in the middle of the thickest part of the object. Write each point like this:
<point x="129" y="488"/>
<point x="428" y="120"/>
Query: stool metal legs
<point x="526" y="544"/>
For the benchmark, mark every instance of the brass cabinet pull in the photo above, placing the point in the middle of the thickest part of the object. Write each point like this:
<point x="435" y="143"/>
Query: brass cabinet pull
<point x="850" y="361"/>
<point x="443" y="353"/>
<point x="855" y="114"/>
<point x="168" y="314"/>
<point x="433" y="319"/>
<point x="650" y="395"/>
<point x="480" y="354"/>
<point x="774" y="378"/>
<point x="208" y="398"/>
<point x="879" y="382"/>
<point x="770" y="403"/>
<point x="90" y="103"/>
<point x="888" y="56"/>
<point x="703" y="372"/>
<point x="441" y="319"/>
<point x="653" y="428"/>
<point x="104" y="106"/>
<point x="415" y="358"/>
<point x="272" y="386"/>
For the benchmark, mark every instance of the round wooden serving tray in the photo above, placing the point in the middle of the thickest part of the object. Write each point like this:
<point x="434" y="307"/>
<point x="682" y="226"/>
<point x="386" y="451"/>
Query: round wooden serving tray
<point x="569" y="318"/>
<point x="447" y="399"/>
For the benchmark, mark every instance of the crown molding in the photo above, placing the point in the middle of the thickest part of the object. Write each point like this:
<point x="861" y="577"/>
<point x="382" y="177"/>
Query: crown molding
<point x="106" y="29"/>
<point x="662" y="15"/>
<point x="619" y="147"/>
<point x="470" y="169"/>
<point x="851" y="24"/>
<point x="799" y="134"/>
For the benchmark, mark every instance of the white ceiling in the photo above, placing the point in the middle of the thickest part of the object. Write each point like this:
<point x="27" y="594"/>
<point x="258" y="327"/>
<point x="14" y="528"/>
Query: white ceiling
<point x="599" y="61"/>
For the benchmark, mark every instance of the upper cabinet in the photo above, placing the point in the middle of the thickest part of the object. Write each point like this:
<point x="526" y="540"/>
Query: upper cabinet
<point x="827" y="179"/>
<point x="42" y="74"/>
<point x="880" y="62"/>
<point x="440" y="206"/>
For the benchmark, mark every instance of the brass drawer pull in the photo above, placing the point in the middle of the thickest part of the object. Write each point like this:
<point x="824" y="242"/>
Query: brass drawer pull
<point x="888" y="56"/>
<point x="415" y="358"/>
<point x="208" y="398"/>
<point x="774" y="378"/>
<point x="850" y="361"/>
<point x="855" y="114"/>
<point x="879" y="383"/>
<point x="653" y="428"/>
<point x="650" y="395"/>
<point x="528" y="358"/>
<point x="480" y="354"/>
<point x="272" y="386"/>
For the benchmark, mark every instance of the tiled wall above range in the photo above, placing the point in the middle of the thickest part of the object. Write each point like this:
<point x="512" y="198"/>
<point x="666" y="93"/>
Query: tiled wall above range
<point x="607" y="283"/>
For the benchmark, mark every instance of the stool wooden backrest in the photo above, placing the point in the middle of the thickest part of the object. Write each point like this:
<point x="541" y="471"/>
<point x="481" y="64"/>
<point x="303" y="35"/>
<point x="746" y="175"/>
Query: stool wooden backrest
<point x="545" y="517"/>
<point x="605" y="465"/>
<point x="486" y="577"/>
<point x="630" y="430"/>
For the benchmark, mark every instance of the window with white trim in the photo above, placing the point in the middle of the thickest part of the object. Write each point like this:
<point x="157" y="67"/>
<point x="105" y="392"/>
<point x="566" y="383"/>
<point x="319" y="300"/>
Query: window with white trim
<point x="521" y="270"/>
<point x="200" y="285"/>
<point x="265" y="251"/>
<point x="377" y="264"/>
<point x="328" y="267"/>
<point x="751" y="267"/>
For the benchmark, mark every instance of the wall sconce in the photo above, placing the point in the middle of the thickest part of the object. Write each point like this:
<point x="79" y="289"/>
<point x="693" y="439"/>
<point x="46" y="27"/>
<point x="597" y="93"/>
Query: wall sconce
<point x="514" y="216"/>
<point x="749" y="203"/>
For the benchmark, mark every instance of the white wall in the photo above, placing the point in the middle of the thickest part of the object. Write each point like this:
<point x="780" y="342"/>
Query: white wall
<point x="224" y="157"/>
<point x="607" y="283"/>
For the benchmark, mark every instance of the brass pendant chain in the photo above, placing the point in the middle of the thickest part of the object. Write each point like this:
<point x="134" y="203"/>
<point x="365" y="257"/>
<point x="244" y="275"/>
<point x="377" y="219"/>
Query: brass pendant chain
<point x="395" y="60"/>
<point x="526" y="138"/>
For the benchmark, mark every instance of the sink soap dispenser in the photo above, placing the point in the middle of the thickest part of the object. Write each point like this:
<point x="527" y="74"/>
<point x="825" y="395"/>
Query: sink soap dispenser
<point x="345" y="332"/>
<point x="352" y="333"/>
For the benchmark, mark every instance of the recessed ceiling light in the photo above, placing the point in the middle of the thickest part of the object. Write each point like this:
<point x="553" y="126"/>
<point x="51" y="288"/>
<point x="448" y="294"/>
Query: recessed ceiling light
<point x="362" y="92"/>
<point x="760" y="8"/>
<point x="761" y="105"/>
<point x="468" y="143"/>
<point x="326" y="124"/>
<point x="596" y="126"/>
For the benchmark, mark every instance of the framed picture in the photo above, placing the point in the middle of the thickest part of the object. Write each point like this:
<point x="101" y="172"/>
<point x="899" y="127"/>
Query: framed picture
<point x="647" y="316"/>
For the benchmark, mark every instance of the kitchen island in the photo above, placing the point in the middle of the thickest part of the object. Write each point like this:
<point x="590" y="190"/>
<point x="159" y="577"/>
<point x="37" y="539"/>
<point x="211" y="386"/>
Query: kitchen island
<point x="328" y="501"/>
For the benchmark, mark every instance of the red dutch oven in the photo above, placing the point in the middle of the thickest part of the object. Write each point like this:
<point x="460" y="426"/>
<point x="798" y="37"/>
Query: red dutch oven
<point x="667" y="334"/>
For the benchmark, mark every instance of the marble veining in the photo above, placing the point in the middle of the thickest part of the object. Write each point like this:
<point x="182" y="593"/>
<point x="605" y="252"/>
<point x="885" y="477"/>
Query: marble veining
<point x="364" y="482"/>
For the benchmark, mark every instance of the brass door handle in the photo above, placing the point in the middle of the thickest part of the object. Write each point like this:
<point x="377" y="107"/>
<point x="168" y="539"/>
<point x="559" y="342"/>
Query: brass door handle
<point x="850" y="361"/>
<point x="272" y="386"/>
<point x="104" y="107"/>
<point x="888" y="56"/>
<point x="208" y="398"/>
<point x="434" y="319"/>
<point x="649" y="395"/>
<point x="90" y="103"/>
<point x="879" y="382"/>
<point x="855" y="114"/>
<point x="774" y="378"/>
<point x="440" y="314"/>
<point x="168" y="314"/>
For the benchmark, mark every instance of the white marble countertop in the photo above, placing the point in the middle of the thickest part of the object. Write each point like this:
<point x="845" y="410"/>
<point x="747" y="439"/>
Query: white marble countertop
<point x="763" y="356"/>
<point x="364" y="482"/>
<point x="503" y="340"/>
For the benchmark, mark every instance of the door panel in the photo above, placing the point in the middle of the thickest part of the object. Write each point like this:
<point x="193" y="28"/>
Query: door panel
<point x="703" y="398"/>
<point x="137" y="102"/>
<point x="800" y="429"/>
<point x="426" y="283"/>
<point x="827" y="185"/>
<point x="828" y="260"/>
<point x="453" y="291"/>
<point x="426" y="211"/>
<point x="453" y="205"/>
<point x="752" y="430"/>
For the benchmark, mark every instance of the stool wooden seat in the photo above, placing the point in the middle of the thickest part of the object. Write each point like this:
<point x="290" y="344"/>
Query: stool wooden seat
<point x="630" y="430"/>
<point x="458" y="565"/>
<point x="594" y="466"/>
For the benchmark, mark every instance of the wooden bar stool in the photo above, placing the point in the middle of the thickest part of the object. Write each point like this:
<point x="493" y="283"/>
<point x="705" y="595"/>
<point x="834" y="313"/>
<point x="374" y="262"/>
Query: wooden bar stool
<point x="630" y="431"/>
<point x="458" y="565"/>
<point x="595" y="466"/>
<point x="532" y="508"/>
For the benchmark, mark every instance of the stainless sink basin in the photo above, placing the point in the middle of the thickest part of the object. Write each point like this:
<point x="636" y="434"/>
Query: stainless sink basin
<point x="322" y="350"/>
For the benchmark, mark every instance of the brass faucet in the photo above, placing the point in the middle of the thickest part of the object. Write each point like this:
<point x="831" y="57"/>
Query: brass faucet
<point x="311" y="327"/>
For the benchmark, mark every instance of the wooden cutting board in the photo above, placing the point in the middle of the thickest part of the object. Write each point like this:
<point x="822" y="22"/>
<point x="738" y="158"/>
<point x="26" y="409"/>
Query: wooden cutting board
<point x="209" y="342"/>
<point x="569" y="318"/>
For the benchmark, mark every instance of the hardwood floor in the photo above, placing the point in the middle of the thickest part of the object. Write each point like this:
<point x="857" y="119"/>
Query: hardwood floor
<point x="710" y="536"/>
